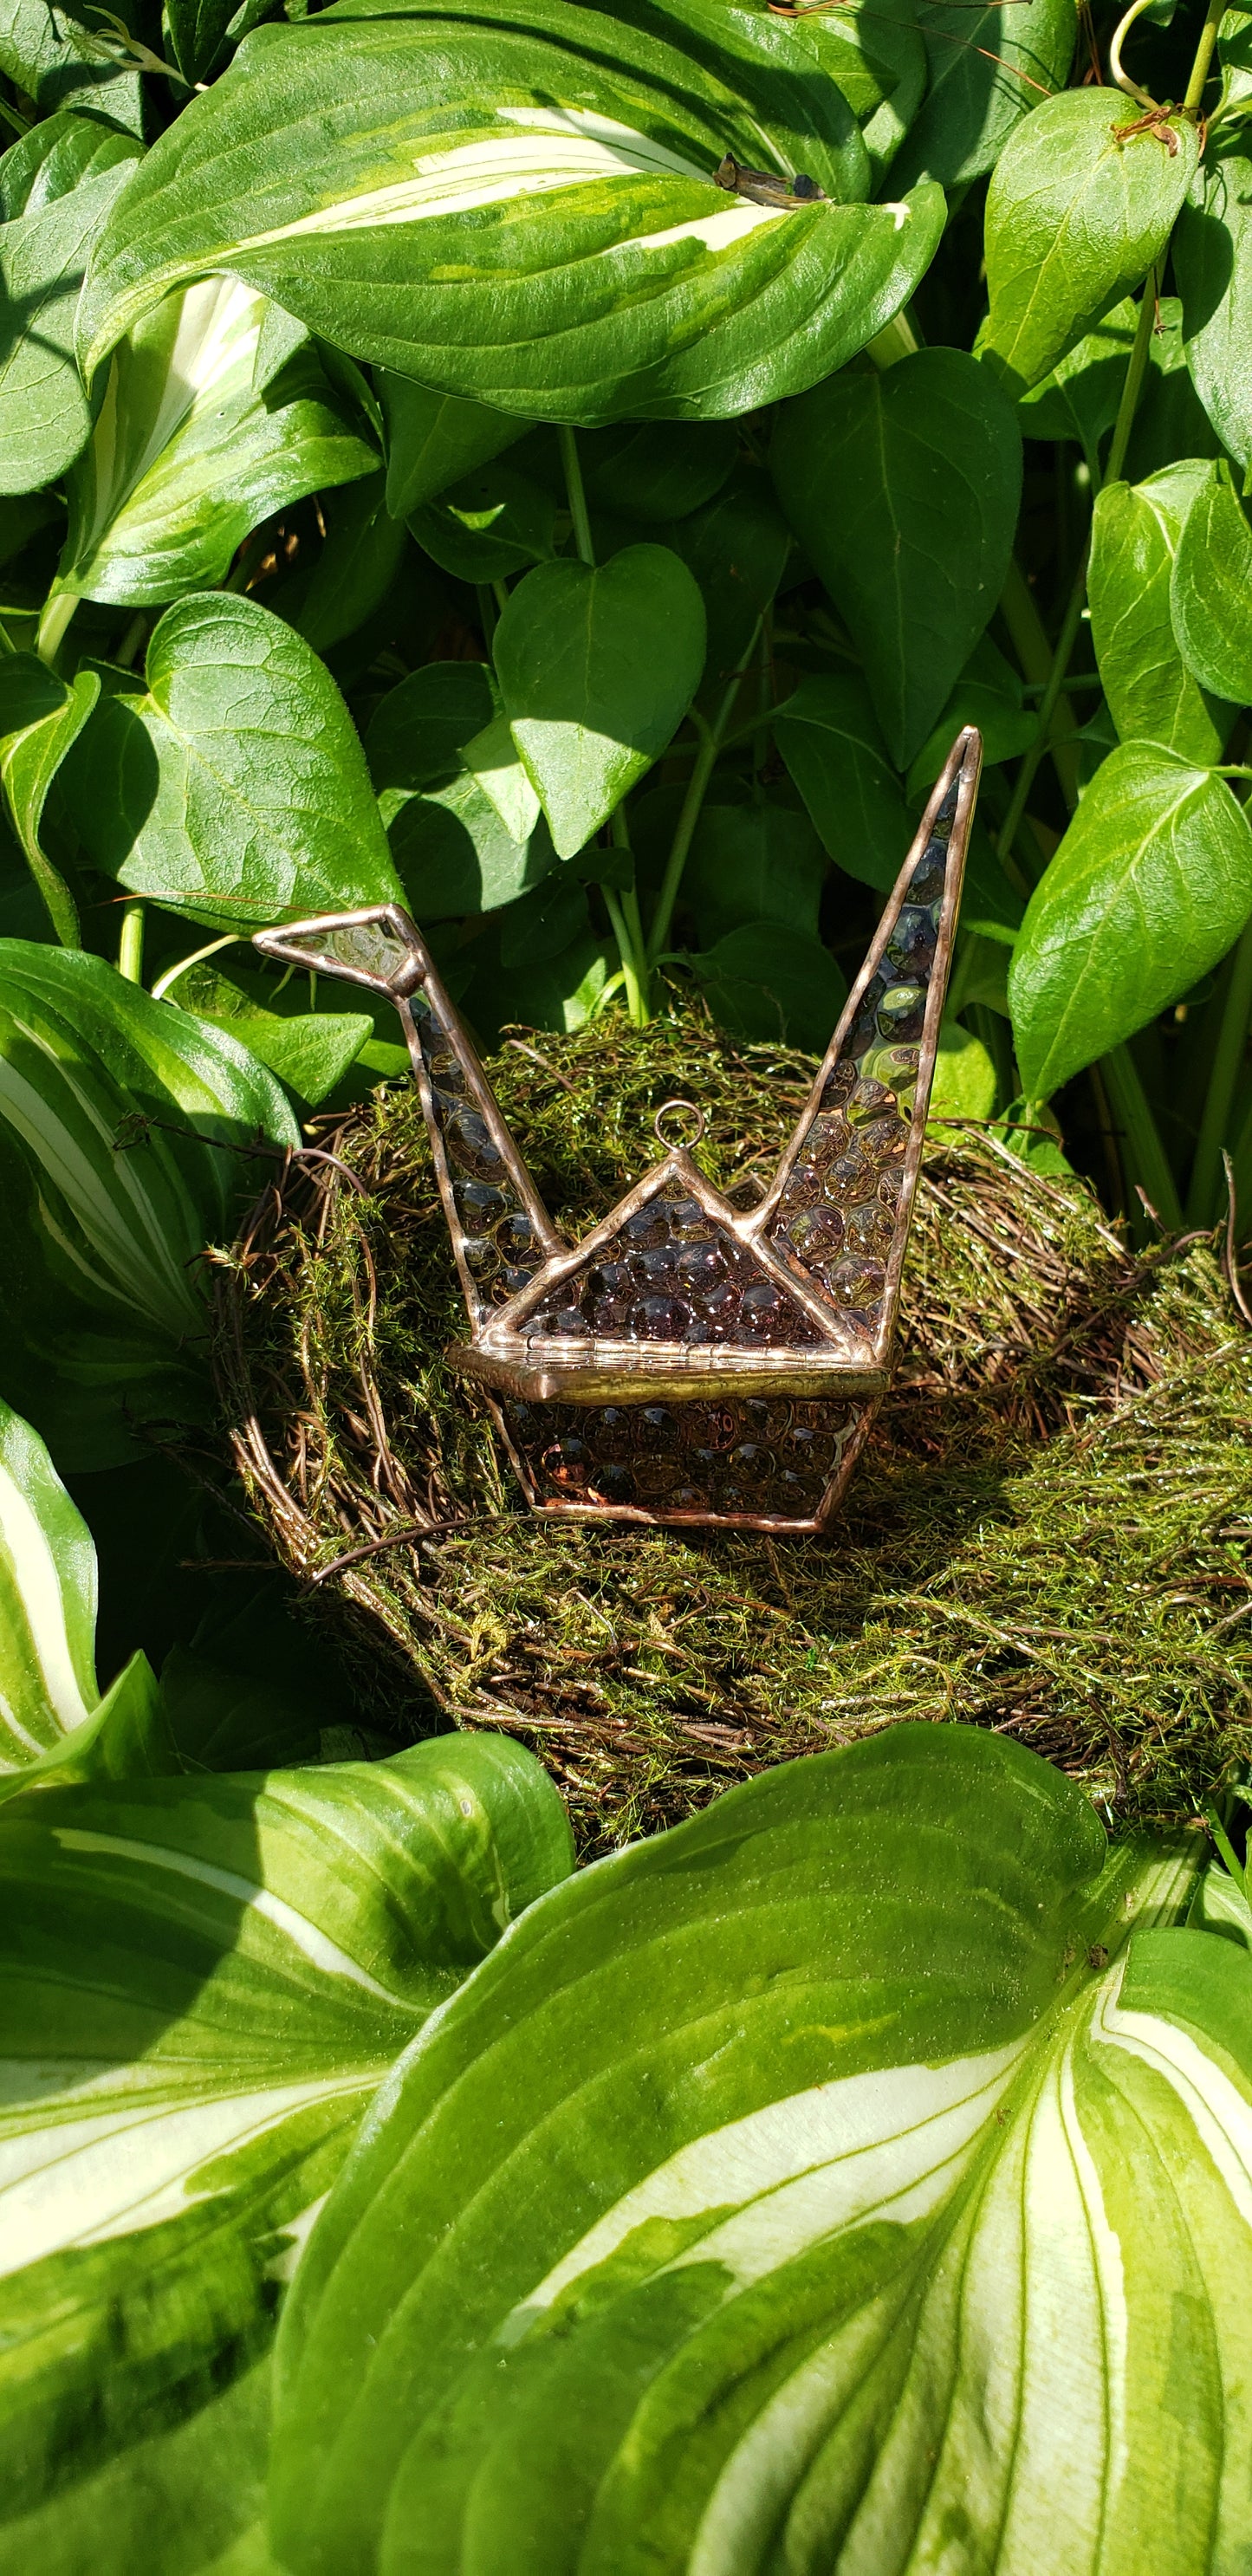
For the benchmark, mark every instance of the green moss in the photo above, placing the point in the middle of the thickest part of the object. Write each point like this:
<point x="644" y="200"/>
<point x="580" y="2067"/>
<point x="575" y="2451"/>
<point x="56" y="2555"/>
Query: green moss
<point x="1047" y="1534"/>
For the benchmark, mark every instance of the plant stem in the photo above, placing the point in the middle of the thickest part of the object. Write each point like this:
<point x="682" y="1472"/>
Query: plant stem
<point x="896" y="340"/>
<point x="711" y="737"/>
<point x="1203" y="55"/>
<point x="132" y="639"/>
<point x="488" y="616"/>
<point x="197" y="957"/>
<point x="568" y="445"/>
<point x="1028" y="637"/>
<point x="130" y="944"/>
<point x="635" y="1001"/>
<point x="1232" y="1038"/>
<point x="1143" y="1155"/>
<point x="1136" y="369"/>
<point x="54" y="623"/>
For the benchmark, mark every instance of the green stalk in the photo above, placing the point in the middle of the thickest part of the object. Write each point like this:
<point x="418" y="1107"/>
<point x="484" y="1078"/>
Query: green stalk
<point x="1030" y="760"/>
<point x="636" y="1003"/>
<point x="130" y="944"/>
<point x="1232" y="1038"/>
<point x="1204" y="55"/>
<point x="568" y="445"/>
<point x="711" y="739"/>
<point x="1144" y="1157"/>
<point x="58" y="609"/>
<point x="1029" y="640"/>
<point x="197" y="957"/>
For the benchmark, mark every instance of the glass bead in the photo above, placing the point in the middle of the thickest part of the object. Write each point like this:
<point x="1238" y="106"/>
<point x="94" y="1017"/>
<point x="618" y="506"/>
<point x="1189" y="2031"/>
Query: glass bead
<point x="658" y="1427"/>
<point x="613" y="1428"/>
<point x="856" y="1281"/>
<point x="648" y="1227"/>
<point x="611" y="1483"/>
<point x="478" y="1202"/>
<point x="689" y="1222"/>
<point x="481" y="1256"/>
<point x="660" y="1319"/>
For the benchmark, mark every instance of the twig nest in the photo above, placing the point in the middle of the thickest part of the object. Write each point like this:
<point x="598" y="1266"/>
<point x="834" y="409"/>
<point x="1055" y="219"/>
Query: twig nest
<point x="1048" y="1533"/>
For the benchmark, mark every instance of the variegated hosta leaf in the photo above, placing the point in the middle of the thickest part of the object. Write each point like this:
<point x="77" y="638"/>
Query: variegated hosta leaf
<point x="822" y="2186"/>
<point x="204" y="1981"/>
<point x="186" y="456"/>
<point x="519" y="208"/>
<point x="118" y="1116"/>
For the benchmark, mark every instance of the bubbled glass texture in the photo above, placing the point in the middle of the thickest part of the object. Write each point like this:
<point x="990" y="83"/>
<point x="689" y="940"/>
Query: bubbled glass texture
<point x="499" y="1245"/>
<point x="839" y="1210"/>
<point x="762" y="1457"/>
<point x="366" y="948"/>
<point x="673" y="1274"/>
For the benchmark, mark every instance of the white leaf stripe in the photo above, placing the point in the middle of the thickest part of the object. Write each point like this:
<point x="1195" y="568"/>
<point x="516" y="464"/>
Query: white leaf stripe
<point x="83" y="2182"/>
<point x="1221" y="2114"/>
<point x="304" y="1936"/>
<point x="47" y="1581"/>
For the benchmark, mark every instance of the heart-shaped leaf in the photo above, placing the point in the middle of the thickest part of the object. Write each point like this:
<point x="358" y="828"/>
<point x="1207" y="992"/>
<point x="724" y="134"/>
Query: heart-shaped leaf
<point x="1211" y="589"/>
<point x="1136" y="531"/>
<point x="235" y="790"/>
<point x="432" y="439"/>
<point x="816" y="2186"/>
<point x="45" y="416"/>
<point x="41" y="718"/>
<point x="1151" y="884"/>
<point x="904" y="489"/>
<point x="597" y="670"/>
<point x="523" y="212"/>
<point x="1077" y="210"/>
<point x="829" y="737"/>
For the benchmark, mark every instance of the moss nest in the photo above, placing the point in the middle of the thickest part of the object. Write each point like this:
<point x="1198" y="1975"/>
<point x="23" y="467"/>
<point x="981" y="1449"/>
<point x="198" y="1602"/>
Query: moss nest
<point x="1047" y="1534"/>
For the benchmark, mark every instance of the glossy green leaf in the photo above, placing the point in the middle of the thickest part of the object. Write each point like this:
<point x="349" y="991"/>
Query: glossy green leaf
<point x="876" y="56"/>
<point x="41" y="718"/>
<point x="489" y="524"/>
<point x="818" y="2185"/>
<point x="1211" y="589"/>
<point x="433" y="439"/>
<point x="1076" y="214"/>
<point x="737" y="547"/>
<point x="57" y="155"/>
<point x="44" y="413"/>
<point x="54" y="56"/>
<point x="964" y="1084"/>
<point x="1152" y="696"/>
<point x="1213" y="264"/>
<point x="647" y="472"/>
<point x="205" y="1983"/>
<point x="754" y="863"/>
<point x="526" y="215"/>
<point x="1079" y="396"/>
<point x="828" y="735"/>
<point x="491" y="758"/>
<point x="101" y="1295"/>
<point x="187" y="457"/>
<point x="415" y="734"/>
<point x="1220" y="1905"/>
<point x="310" y="1051"/>
<point x="47" y="1602"/>
<point x="988" y="694"/>
<point x="234" y="789"/>
<point x="361" y="558"/>
<point x="903" y="488"/>
<point x="769" y="981"/>
<point x="989" y="67"/>
<point x="1150" y="886"/>
<point x="456" y="851"/>
<point x="597" y="670"/>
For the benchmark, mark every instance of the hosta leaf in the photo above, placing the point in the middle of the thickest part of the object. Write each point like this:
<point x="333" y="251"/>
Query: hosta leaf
<point x="817" y="2185"/>
<point x="204" y="1984"/>
<point x="235" y="789"/>
<point x="57" y="155"/>
<point x="100" y="1296"/>
<point x="47" y="1601"/>
<point x="597" y="670"/>
<point x="186" y="456"/>
<point x="1135" y="536"/>
<point x="44" y="412"/>
<point x="1213" y="263"/>
<point x="989" y="67"/>
<point x="829" y="737"/>
<point x="1211" y="589"/>
<point x="1149" y="887"/>
<point x="41" y="718"/>
<point x="1076" y="213"/>
<point x="526" y="215"/>
<point x="904" y="488"/>
<point x="876" y="56"/>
